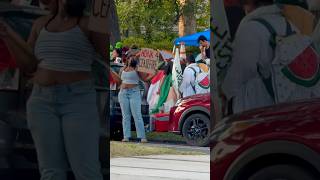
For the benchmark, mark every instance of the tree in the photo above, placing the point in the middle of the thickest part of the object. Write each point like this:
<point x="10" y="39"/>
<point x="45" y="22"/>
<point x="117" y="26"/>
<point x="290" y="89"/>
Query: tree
<point x="115" y="30"/>
<point x="158" y="20"/>
<point x="187" y="19"/>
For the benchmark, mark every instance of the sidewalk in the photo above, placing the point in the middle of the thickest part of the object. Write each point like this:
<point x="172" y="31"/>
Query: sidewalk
<point x="161" y="167"/>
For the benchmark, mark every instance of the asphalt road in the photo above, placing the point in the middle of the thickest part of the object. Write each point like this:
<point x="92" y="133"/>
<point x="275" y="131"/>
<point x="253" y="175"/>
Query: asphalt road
<point x="163" y="167"/>
<point x="160" y="167"/>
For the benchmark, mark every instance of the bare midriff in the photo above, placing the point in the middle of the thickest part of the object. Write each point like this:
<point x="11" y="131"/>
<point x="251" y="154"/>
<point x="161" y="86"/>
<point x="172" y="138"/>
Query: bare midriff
<point x="47" y="77"/>
<point x="128" y="86"/>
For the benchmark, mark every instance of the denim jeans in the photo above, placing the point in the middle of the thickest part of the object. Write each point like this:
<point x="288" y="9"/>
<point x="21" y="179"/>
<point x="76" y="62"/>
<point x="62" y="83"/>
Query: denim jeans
<point x="130" y="103"/>
<point x="64" y="124"/>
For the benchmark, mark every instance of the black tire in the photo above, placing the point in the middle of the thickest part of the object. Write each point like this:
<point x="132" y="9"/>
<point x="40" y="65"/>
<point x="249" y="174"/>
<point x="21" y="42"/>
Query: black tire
<point x="282" y="172"/>
<point x="196" y="130"/>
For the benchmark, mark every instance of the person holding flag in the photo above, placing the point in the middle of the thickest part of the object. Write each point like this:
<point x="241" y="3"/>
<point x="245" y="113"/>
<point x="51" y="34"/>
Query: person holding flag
<point x="177" y="75"/>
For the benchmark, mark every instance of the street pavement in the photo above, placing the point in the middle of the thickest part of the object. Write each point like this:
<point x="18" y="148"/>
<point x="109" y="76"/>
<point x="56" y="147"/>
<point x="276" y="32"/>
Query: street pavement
<point x="161" y="167"/>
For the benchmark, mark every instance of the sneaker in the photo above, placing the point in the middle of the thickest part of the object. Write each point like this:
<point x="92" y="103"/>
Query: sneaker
<point x="144" y="140"/>
<point x="125" y="140"/>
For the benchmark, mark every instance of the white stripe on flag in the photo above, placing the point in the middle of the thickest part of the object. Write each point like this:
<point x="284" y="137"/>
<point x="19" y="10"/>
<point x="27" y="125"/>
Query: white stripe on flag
<point x="177" y="73"/>
<point x="222" y="40"/>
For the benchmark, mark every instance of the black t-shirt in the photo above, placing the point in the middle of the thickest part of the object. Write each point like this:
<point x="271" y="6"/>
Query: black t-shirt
<point x="208" y="52"/>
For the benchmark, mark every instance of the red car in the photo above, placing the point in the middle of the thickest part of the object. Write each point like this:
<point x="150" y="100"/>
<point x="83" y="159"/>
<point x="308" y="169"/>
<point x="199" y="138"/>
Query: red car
<point x="278" y="142"/>
<point x="191" y="118"/>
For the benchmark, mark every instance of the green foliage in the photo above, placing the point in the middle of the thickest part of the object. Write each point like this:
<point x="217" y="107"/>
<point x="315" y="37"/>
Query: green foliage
<point x="146" y="18"/>
<point x="202" y="14"/>
<point x="150" y="21"/>
<point x="164" y="44"/>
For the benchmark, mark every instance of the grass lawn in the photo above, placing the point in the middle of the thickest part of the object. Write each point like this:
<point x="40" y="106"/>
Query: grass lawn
<point x="162" y="136"/>
<point x="119" y="149"/>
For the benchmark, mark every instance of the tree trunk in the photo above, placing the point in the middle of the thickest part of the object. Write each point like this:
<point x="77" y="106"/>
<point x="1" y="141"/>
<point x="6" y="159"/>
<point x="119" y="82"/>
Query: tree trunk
<point x="187" y="21"/>
<point x="115" y="30"/>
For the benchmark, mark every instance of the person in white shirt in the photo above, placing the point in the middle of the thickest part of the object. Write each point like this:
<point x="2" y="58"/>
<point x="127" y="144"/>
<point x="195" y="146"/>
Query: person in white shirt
<point x="116" y="56"/>
<point x="243" y="84"/>
<point x="186" y="88"/>
<point x="188" y="83"/>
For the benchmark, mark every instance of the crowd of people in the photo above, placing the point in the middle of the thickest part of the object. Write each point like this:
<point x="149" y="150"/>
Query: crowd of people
<point x="161" y="93"/>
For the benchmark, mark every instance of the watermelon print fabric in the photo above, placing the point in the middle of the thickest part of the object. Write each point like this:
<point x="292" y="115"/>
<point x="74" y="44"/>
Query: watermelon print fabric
<point x="295" y="69"/>
<point x="304" y="70"/>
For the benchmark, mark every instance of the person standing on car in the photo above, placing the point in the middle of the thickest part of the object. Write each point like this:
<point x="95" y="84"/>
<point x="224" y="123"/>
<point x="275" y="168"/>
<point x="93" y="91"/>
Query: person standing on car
<point x="130" y="96"/>
<point x="62" y="112"/>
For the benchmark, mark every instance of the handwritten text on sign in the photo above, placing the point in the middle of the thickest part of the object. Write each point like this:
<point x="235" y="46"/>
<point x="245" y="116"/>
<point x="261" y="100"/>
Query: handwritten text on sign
<point x="99" y="16"/>
<point x="148" y="60"/>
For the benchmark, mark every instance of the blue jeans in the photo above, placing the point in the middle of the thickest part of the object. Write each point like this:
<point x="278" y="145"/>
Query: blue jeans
<point x="130" y="103"/>
<point x="64" y="124"/>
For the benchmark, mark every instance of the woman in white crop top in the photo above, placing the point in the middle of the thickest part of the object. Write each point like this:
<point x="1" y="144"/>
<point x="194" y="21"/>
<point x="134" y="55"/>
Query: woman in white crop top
<point x="61" y="112"/>
<point x="130" y="97"/>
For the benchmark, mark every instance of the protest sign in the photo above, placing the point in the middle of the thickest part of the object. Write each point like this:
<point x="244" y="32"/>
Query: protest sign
<point x="222" y="50"/>
<point x="222" y="39"/>
<point x="148" y="60"/>
<point x="100" y="16"/>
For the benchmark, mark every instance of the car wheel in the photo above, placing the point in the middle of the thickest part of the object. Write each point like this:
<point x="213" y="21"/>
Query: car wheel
<point x="282" y="172"/>
<point x="196" y="130"/>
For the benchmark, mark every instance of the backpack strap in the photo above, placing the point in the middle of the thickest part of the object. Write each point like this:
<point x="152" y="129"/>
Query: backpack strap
<point x="195" y="76"/>
<point x="267" y="83"/>
<point x="271" y="30"/>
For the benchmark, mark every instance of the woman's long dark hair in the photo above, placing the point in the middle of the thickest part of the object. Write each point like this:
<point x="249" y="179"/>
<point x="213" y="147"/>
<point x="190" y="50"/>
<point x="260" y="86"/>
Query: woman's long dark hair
<point x="74" y="8"/>
<point x="133" y="62"/>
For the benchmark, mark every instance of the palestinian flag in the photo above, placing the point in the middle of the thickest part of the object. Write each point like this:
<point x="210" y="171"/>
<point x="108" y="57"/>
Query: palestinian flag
<point x="154" y="89"/>
<point x="164" y="92"/>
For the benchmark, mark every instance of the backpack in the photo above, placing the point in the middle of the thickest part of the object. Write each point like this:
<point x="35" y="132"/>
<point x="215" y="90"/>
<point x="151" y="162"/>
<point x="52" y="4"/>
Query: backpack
<point x="202" y="79"/>
<point x="294" y="72"/>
